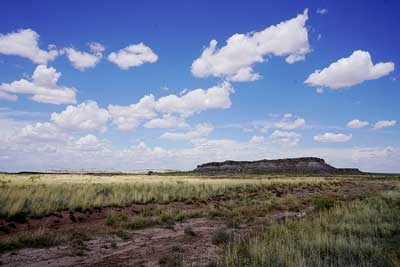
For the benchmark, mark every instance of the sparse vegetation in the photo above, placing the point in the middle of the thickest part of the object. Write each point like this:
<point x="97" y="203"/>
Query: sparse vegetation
<point x="123" y="235"/>
<point x="221" y="236"/>
<point x="43" y="238"/>
<point x="336" y="221"/>
<point x="360" y="233"/>
<point x="38" y="239"/>
<point x="34" y="240"/>
<point x="158" y="217"/>
<point x="172" y="260"/>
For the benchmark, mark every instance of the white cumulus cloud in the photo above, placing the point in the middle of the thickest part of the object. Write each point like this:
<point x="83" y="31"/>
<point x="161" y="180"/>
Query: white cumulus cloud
<point x="357" y="124"/>
<point x="200" y="130"/>
<point x="197" y="100"/>
<point x="43" y="87"/>
<point x="25" y="43"/>
<point x="290" y="125"/>
<point x="148" y="108"/>
<point x="384" y="124"/>
<point x="133" y="56"/>
<point x="41" y="133"/>
<point x="83" y="60"/>
<point x="286" y="121"/>
<point x="285" y="137"/>
<point x="87" y="116"/>
<point x="235" y="60"/>
<point x="166" y="121"/>
<point x="42" y="146"/>
<point x="346" y="72"/>
<point x="129" y="117"/>
<point x="332" y="138"/>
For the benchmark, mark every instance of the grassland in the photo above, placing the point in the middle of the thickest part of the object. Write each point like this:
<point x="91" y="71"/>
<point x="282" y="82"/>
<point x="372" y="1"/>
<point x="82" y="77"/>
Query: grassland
<point x="360" y="233"/>
<point x="243" y="220"/>
<point x="39" y="195"/>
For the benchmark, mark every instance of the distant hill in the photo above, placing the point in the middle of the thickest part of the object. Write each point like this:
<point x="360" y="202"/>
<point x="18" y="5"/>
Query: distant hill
<point x="309" y="165"/>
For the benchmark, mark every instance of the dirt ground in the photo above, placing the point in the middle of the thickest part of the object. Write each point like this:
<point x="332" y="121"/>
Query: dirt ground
<point x="193" y="242"/>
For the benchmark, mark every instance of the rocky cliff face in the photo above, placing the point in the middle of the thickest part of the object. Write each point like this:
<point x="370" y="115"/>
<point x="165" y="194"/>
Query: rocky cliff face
<point x="278" y="166"/>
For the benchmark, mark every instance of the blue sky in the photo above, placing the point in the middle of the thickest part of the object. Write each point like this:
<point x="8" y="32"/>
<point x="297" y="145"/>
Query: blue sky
<point x="73" y="74"/>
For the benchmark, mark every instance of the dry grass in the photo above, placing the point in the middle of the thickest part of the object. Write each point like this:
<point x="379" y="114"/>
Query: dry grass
<point x="360" y="233"/>
<point x="39" y="195"/>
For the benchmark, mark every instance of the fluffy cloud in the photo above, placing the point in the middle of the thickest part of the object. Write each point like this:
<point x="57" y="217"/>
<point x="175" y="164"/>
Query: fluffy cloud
<point x="235" y="60"/>
<point x="88" y="144"/>
<point x="285" y="138"/>
<point x="332" y="137"/>
<point x="290" y="125"/>
<point x="133" y="56"/>
<point x="384" y="124"/>
<point x="286" y="121"/>
<point x="350" y="71"/>
<point x="87" y="139"/>
<point x="129" y="117"/>
<point x="83" y="60"/>
<point x="195" y="101"/>
<point x="43" y="87"/>
<point x="86" y="116"/>
<point x="357" y="124"/>
<point x="44" y="146"/>
<point x="141" y="154"/>
<point x="25" y="43"/>
<point x="166" y="121"/>
<point x="39" y="133"/>
<point x="200" y="130"/>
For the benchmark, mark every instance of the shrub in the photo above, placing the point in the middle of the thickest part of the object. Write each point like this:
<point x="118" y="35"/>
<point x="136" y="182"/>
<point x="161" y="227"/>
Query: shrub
<point x="221" y="236"/>
<point x="188" y="230"/>
<point x="123" y="235"/>
<point x="323" y="203"/>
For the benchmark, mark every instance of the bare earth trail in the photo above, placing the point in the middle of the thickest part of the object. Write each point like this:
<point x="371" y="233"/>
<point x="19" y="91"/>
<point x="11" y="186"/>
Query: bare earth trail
<point x="158" y="245"/>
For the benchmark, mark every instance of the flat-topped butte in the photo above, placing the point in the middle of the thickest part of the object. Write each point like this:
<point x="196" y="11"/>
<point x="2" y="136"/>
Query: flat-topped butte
<point x="305" y="165"/>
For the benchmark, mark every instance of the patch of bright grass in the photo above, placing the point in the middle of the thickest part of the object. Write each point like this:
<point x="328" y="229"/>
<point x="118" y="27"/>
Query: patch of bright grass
<point x="323" y="203"/>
